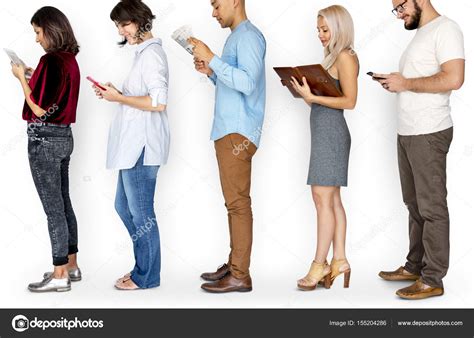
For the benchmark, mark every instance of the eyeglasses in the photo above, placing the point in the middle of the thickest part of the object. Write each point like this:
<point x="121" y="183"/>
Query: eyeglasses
<point x="400" y="9"/>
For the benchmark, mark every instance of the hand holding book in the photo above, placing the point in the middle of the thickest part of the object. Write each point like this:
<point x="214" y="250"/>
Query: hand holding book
<point x="316" y="77"/>
<point x="303" y="90"/>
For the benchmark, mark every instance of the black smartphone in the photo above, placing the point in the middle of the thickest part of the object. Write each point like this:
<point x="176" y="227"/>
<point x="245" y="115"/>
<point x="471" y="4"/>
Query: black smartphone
<point x="371" y="74"/>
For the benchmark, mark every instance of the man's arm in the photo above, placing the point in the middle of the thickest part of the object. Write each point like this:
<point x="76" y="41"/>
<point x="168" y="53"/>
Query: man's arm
<point x="203" y="67"/>
<point x="244" y="77"/>
<point x="451" y="77"/>
<point x="213" y="77"/>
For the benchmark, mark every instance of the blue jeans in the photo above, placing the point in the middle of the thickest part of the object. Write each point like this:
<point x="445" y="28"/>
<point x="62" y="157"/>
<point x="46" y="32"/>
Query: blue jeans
<point x="134" y="204"/>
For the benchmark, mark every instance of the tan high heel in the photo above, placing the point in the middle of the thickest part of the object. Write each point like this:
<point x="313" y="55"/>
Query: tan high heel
<point x="318" y="273"/>
<point x="336" y="265"/>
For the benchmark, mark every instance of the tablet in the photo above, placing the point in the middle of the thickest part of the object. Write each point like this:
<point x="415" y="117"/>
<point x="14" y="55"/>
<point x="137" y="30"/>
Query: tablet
<point x="14" y="58"/>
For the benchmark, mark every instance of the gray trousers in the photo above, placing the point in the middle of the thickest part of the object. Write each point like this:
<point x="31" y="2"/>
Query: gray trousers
<point x="422" y="165"/>
<point x="49" y="153"/>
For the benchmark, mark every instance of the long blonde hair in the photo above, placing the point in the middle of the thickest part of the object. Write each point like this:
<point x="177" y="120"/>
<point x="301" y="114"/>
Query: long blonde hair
<point x="340" y="24"/>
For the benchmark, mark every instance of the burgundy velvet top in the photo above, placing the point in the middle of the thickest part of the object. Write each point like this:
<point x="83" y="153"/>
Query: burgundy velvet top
<point x="55" y="88"/>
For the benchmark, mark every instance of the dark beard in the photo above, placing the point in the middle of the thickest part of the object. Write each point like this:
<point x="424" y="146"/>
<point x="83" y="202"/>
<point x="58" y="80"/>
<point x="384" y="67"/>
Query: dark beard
<point x="415" y="23"/>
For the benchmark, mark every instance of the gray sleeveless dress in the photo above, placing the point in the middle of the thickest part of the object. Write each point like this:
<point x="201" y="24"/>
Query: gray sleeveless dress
<point x="330" y="147"/>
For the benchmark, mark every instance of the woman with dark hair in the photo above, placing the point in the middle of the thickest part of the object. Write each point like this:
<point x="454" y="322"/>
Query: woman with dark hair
<point x="139" y="140"/>
<point x="51" y="97"/>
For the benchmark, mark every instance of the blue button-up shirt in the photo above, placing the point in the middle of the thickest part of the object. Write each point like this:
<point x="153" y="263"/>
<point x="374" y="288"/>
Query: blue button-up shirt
<point x="239" y="76"/>
<point x="133" y="129"/>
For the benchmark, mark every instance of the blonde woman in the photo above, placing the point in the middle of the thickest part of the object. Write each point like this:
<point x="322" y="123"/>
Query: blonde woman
<point x="330" y="146"/>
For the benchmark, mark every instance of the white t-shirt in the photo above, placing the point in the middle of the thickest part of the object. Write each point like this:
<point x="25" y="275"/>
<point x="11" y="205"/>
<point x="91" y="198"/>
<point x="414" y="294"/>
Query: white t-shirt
<point x="437" y="42"/>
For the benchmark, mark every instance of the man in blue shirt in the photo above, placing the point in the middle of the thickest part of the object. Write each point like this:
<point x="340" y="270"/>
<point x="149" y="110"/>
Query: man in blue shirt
<point x="239" y="76"/>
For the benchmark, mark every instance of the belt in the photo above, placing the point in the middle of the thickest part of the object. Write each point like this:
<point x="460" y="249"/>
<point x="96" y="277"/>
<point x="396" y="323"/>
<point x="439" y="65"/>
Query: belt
<point x="47" y="124"/>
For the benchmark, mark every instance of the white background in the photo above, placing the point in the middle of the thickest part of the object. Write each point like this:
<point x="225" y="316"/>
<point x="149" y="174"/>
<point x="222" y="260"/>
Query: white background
<point x="190" y="207"/>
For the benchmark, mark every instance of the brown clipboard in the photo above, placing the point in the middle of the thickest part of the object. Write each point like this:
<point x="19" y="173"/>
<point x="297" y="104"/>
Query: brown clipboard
<point x="319" y="80"/>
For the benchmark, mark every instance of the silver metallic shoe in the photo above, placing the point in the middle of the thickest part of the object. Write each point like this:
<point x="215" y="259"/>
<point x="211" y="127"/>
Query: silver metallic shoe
<point x="51" y="284"/>
<point x="74" y="274"/>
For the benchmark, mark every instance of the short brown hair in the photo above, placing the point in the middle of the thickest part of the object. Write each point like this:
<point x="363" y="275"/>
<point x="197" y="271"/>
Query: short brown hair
<point x="134" y="11"/>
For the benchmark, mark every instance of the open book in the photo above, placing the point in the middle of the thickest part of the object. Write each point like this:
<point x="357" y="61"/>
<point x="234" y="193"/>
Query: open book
<point x="319" y="80"/>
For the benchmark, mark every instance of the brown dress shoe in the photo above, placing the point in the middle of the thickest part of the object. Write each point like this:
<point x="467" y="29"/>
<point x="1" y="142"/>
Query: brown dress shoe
<point x="418" y="290"/>
<point x="398" y="275"/>
<point x="229" y="284"/>
<point x="221" y="272"/>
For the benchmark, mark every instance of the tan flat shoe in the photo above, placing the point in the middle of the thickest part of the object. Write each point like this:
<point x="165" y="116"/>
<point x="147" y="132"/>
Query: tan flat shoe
<point x="398" y="275"/>
<point x="126" y="276"/>
<point x="418" y="290"/>
<point x="126" y="285"/>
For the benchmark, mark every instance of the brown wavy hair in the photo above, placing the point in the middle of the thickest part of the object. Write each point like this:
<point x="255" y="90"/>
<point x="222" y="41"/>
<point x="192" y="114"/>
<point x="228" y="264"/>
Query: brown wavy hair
<point x="56" y="29"/>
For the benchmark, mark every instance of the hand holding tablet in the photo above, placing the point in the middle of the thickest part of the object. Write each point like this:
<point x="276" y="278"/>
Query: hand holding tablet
<point x="14" y="59"/>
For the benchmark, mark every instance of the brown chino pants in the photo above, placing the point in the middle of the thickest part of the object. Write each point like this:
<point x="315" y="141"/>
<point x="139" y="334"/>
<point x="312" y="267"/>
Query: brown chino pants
<point x="422" y="165"/>
<point x="234" y="156"/>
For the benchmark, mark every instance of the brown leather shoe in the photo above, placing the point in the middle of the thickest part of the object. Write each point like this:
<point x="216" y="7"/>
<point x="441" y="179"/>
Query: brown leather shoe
<point x="229" y="284"/>
<point x="398" y="275"/>
<point x="418" y="290"/>
<point x="221" y="272"/>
